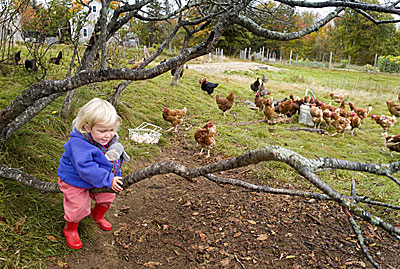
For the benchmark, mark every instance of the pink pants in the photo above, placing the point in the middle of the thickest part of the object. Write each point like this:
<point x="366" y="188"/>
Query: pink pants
<point x="77" y="201"/>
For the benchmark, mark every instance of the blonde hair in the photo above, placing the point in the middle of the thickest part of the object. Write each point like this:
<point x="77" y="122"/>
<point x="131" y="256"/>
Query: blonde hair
<point x="95" y="111"/>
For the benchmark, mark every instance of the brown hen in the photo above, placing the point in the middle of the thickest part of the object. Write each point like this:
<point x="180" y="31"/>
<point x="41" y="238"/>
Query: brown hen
<point x="225" y="103"/>
<point x="269" y="109"/>
<point x="337" y="97"/>
<point x="392" y="142"/>
<point x="316" y="115"/>
<point x="341" y="124"/>
<point x="394" y="108"/>
<point x="384" y="121"/>
<point x="205" y="137"/>
<point x="361" y="112"/>
<point x="175" y="117"/>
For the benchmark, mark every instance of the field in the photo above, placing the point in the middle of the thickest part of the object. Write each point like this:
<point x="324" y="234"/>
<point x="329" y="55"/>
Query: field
<point x="190" y="221"/>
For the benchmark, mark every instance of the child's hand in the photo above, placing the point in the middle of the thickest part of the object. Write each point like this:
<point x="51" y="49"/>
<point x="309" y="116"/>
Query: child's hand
<point x="115" y="186"/>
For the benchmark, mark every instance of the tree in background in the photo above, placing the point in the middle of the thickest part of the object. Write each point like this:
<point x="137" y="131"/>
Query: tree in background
<point x="361" y="39"/>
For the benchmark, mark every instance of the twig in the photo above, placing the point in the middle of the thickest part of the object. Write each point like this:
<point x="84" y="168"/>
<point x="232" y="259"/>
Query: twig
<point x="357" y="231"/>
<point x="264" y="188"/>
<point x="321" y="170"/>
<point x="314" y="218"/>
<point x="366" y="200"/>
<point x="239" y="262"/>
<point x="353" y="189"/>
<point x="312" y="130"/>
<point x="393" y="178"/>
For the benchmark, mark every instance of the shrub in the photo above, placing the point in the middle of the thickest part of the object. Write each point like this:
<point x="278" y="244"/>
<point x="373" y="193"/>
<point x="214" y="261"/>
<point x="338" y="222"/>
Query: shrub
<point x="389" y="64"/>
<point x="343" y="63"/>
<point x="368" y="68"/>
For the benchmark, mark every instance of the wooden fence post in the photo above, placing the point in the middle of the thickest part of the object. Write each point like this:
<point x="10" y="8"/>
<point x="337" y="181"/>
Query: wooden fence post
<point x="290" y="57"/>
<point x="376" y="58"/>
<point x="330" y="61"/>
<point x="250" y="53"/>
<point x="262" y="54"/>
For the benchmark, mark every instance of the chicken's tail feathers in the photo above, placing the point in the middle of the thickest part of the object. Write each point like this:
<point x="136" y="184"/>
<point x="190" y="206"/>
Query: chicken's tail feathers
<point x="369" y="109"/>
<point x="185" y="109"/>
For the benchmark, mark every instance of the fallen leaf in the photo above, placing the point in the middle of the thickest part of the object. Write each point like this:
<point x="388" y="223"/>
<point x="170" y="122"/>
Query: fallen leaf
<point x="262" y="237"/>
<point x="251" y="221"/>
<point x="290" y="257"/>
<point x="210" y="249"/>
<point x="152" y="264"/>
<point x="61" y="264"/>
<point x="202" y="237"/>
<point x="188" y="203"/>
<point x="51" y="238"/>
<point x="237" y="234"/>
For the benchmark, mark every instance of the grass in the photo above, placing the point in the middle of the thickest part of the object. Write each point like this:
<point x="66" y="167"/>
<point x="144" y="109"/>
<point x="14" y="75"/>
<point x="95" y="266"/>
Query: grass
<point x="31" y="221"/>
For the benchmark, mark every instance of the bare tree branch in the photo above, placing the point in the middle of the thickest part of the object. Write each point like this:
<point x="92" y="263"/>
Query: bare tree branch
<point x="259" y="31"/>
<point x="360" y="238"/>
<point x="350" y="4"/>
<point x="369" y="17"/>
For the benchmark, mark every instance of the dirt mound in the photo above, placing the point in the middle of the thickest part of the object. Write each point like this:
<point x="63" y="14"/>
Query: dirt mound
<point x="169" y="222"/>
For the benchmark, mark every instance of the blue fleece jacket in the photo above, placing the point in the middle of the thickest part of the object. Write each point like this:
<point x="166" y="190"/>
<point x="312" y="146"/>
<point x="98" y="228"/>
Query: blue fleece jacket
<point x="84" y="165"/>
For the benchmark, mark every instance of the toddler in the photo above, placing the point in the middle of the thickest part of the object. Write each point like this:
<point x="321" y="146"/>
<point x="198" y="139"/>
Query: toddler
<point x="84" y="166"/>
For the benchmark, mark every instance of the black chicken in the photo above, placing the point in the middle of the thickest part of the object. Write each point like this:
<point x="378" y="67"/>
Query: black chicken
<point x="207" y="86"/>
<point x="56" y="60"/>
<point x="255" y="86"/>
<point x="30" y="64"/>
<point x="17" y="57"/>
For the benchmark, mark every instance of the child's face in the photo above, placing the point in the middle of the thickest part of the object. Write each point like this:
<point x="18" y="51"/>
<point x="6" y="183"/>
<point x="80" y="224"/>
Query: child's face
<point x="101" y="133"/>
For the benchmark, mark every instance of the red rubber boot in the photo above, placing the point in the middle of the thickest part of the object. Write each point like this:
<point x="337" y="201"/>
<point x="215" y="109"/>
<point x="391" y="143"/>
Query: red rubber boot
<point x="71" y="234"/>
<point x="97" y="214"/>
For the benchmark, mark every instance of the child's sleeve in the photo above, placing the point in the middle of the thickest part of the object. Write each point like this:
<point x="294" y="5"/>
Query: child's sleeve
<point x="89" y="170"/>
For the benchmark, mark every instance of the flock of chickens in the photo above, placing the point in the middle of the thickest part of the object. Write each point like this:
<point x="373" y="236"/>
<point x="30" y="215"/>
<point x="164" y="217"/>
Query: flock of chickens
<point x="204" y="136"/>
<point x="338" y="117"/>
<point x="30" y="64"/>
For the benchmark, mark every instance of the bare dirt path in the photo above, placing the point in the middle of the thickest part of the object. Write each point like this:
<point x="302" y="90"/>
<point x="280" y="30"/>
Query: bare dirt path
<point x="218" y="67"/>
<point x="168" y="222"/>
